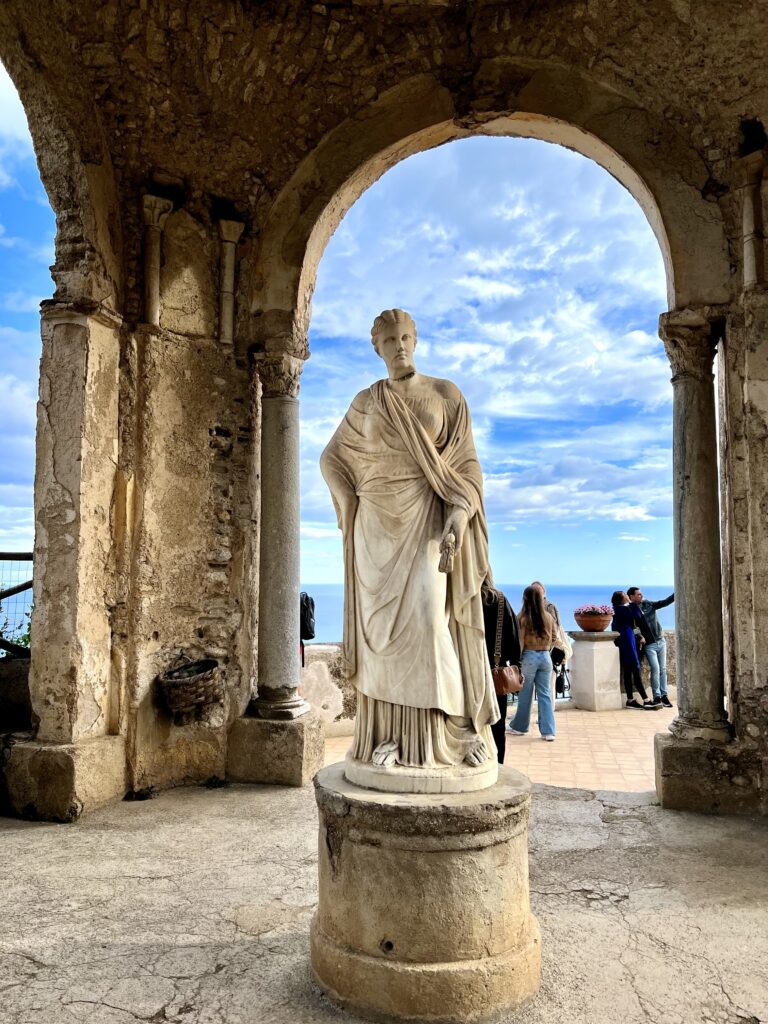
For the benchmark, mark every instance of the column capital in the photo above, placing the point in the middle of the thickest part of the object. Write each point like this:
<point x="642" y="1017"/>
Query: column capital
<point x="751" y="168"/>
<point x="279" y="373"/>
<point x="155" y="211"/>
<point x="230" y="230"/>
<point x="690" y="343"/>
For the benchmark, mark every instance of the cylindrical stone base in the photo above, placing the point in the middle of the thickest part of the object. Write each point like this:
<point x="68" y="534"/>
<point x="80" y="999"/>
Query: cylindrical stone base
<point x="424" y="911"/>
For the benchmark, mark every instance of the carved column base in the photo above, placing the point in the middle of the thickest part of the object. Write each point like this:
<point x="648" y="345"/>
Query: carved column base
<point x="707" y="777"/>
<point x="280" y="706"/>
<point x="710" y="729"/>
<point x="288" y="753"/>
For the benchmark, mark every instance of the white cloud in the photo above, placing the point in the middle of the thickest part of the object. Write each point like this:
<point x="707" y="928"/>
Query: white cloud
<point x="319" y="532"/>
<point x="631" y="537"/>
<point x="15" y="140"/>
<point x="13" y="123"/>
<point x="21" y="302"/>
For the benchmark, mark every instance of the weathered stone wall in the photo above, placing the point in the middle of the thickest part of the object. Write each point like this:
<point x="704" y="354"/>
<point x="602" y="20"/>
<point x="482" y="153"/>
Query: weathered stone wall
<point x="191" y="539"/>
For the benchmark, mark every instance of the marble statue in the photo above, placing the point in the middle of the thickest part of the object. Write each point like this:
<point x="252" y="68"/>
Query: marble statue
<point x="407" y="489"/>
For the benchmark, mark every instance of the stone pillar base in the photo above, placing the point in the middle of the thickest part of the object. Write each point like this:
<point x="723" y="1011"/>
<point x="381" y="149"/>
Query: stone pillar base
<point x="279" y="753"/>
<point x="60" y="782"/>
<point x="711" y="778"/>
<point x="424" y="909"/>
<point x="594" y="672"/>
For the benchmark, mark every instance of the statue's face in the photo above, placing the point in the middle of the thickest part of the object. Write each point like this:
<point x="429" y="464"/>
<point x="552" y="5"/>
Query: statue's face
<point x="395" y="343"/>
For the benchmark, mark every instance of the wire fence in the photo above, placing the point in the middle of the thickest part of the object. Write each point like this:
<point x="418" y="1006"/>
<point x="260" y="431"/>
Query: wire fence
<point x="16" y="599"/>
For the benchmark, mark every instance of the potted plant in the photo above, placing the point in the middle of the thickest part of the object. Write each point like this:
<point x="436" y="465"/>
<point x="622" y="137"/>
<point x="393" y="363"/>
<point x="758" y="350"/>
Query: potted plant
<point x="593" y="618"/>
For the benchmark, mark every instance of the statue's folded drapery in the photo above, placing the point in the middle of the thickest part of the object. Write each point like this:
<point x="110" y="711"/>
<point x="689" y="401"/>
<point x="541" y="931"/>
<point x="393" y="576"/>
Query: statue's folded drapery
<point x="413" y="637"/>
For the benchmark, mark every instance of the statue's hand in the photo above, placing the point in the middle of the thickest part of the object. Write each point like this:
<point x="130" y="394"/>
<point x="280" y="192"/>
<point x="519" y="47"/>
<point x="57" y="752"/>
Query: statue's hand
<point x="456" y="523"/>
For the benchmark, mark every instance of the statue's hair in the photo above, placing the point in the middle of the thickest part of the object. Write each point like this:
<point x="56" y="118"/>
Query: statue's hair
<point x="387" y="318"/>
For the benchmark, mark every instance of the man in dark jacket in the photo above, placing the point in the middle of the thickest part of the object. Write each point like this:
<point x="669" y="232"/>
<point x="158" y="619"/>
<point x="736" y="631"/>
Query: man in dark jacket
<point x="655" y="648"/>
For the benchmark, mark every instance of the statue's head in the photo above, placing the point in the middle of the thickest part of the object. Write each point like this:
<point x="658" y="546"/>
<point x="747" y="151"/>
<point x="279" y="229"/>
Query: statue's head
<point x="393" y="336"/>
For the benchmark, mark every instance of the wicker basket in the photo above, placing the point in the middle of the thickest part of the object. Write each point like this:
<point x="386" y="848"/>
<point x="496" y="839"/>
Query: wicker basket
<point x="192" y="685"/>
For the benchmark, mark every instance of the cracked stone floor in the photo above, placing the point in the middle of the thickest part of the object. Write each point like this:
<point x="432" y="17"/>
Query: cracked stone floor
<point x="194" y="908"/>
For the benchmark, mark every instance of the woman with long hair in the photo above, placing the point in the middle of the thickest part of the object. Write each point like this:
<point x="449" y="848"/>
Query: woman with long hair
<point x="537" y="635"/>
<point x="510" y="648"/>
<point x="625" y="617"/>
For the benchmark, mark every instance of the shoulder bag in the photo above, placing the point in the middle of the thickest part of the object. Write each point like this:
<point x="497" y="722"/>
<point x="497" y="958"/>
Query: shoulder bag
<point x="506" y="678"/>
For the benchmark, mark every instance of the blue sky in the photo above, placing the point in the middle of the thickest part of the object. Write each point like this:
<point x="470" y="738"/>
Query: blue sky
<point x="536" y="284"/>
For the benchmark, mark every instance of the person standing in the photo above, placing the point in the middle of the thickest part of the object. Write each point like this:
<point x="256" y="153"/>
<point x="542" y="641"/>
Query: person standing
<point x="626" y="617"/>
<point x="549" y="607"/>
<point x="655" y="648"/>
<point x="537" y="637"/>
<point x="561" y="647"/>
<point x="510" y="649"/>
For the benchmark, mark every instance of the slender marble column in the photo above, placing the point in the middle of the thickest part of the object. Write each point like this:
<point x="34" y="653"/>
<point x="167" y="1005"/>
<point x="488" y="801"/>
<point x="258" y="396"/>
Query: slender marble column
<point x="229" y="233"/>
<point x="279" y="666"/>
<point x="690" y="344"/>
<point x="155" y="211"/>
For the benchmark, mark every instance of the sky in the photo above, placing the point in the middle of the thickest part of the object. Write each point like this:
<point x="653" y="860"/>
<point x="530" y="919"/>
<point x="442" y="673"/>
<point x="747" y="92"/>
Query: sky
<point x="536" y="285"/>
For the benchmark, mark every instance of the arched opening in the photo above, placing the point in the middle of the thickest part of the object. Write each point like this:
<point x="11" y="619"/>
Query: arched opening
<point x="536" y="284"/>
<point x="26" y="251"/>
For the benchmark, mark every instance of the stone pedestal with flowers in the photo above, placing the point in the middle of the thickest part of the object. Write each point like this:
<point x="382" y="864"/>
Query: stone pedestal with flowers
<point x="594" y="668"/>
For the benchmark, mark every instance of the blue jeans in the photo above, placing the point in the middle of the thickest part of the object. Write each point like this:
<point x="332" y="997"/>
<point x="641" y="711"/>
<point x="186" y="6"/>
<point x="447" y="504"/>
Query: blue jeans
<point x="657" y="660"/>
<point x="536" y="666"/>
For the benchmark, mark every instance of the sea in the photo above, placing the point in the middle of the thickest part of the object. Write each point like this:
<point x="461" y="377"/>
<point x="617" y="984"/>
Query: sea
<point x="329" y="603"/>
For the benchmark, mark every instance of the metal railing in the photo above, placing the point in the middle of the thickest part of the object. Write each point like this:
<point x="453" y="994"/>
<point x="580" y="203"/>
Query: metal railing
<point x="15" y="602"/>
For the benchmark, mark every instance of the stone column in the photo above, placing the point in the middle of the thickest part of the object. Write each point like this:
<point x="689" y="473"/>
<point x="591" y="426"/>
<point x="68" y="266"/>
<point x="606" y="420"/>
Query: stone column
<point x="280" y="742"/>
<point x="74" y="763"/>
<point x="279" y="659"/>
<point x="691" y="760"/>
<point x="690" y="343"/>
<point x="229" y="233"/>
<point x="155" y="211"/>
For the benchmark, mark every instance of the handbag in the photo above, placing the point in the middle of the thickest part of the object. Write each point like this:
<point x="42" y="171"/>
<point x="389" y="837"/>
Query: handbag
<point x="506" y="678"/>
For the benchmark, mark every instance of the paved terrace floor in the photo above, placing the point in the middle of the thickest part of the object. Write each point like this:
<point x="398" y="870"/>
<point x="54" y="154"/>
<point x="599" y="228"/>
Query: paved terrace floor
<point x="194" y="908"/>
<point x="592" y="750"/>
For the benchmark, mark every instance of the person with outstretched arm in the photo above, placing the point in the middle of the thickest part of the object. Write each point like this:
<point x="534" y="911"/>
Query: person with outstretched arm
<point x="655" y="649"/>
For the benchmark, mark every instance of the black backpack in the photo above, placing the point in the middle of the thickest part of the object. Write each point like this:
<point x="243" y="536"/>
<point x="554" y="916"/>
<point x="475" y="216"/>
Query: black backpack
<point x="306" y="617"/>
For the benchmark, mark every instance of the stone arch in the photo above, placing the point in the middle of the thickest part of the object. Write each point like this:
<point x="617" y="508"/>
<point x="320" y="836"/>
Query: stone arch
<point x="78" y="177"/>
<point x="663" y="172"/>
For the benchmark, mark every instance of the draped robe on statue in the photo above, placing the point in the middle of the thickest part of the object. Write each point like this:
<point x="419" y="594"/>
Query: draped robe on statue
<point x="414" y="642"/>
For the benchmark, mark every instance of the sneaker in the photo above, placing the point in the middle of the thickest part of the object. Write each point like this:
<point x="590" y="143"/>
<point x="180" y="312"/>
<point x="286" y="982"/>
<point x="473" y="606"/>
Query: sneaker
<point x="657" y="700"/>
<point x="514" y="732"/>
<point x="548" y="739"/>
<point x="652" y="705"/>
<point x="667" y="702"/>
<point x="635" y="705"/>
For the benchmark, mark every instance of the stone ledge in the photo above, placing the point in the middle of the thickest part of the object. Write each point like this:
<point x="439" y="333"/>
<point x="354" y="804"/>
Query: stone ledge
<point x="707" y="777"/>
<point x="61" y="782"/>
<point x="280" y="753"/>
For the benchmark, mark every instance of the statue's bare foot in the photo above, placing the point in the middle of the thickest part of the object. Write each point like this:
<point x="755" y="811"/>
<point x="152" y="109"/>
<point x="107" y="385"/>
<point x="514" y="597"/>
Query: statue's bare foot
<point x="477" y="753"/>
<point x="386" y="754"/>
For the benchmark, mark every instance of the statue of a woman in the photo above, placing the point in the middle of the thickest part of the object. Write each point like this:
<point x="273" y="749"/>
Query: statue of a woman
<point x="407" y="489"/>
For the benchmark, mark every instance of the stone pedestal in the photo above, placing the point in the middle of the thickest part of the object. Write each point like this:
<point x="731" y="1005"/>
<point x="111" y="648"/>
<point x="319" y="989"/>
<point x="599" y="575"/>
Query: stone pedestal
<point x="424" y="909"/>
<point x="274" y="752"/>
<point x="62" y="781"/>
<point x="709" y="778"/>
<point x="594" y="672"/>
